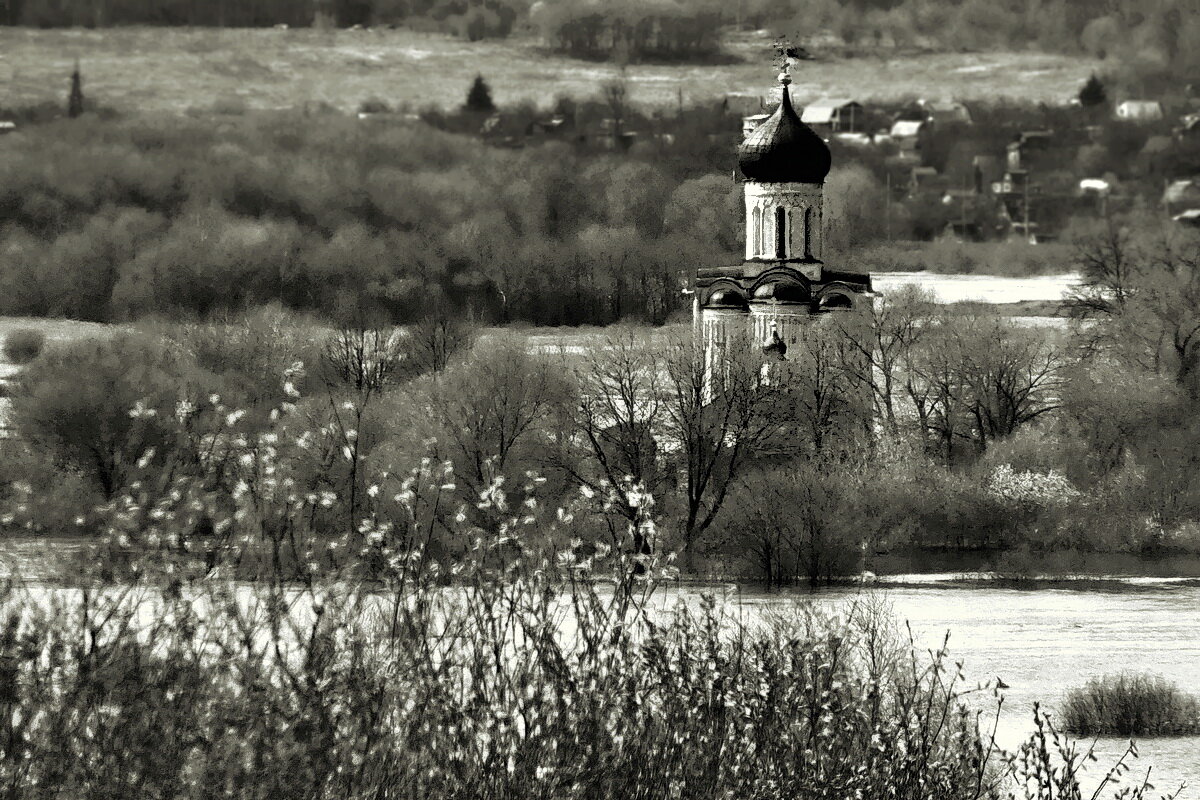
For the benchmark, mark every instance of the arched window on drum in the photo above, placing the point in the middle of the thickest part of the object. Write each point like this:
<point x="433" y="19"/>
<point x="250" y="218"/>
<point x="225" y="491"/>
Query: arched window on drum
<point x="808" y="233"/>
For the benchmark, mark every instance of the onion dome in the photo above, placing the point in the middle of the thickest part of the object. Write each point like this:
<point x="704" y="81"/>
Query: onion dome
<point x="774" y="347"/>
<point x="783" y="292"/>
<point x="726" y="298"/>
<point x="783" y="149"/>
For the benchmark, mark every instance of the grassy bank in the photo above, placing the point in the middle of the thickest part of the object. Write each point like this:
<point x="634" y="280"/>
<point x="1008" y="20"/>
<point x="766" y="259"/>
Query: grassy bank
<point x="173" y="70"/>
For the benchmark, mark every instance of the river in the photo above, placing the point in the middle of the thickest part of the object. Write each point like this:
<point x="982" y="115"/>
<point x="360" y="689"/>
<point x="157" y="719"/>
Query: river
<point x="1042" y="642"/>
<point x="979" y="288"/>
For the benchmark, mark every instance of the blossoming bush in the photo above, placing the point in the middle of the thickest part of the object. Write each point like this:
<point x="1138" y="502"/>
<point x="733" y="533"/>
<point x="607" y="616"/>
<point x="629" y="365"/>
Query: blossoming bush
<point x="1031" y="489"/>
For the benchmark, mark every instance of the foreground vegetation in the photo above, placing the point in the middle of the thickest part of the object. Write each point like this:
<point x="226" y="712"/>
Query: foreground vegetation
<point x="523" y="679"/>
<point x="1130" y="704"/>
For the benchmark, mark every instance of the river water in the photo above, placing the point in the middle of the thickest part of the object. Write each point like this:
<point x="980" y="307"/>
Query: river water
<point x="1041" y="642"/>
<point x="979" y="288"/>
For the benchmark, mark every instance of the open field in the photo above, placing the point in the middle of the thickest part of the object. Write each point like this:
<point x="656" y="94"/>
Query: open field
<point x="177" y="69"/>
<point x="56" y="330"/>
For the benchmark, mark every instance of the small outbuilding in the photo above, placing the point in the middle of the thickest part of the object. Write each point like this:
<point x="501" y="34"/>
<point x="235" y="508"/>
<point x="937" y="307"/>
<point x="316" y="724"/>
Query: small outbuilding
<point x="1182" y="195"/>
<point x="1139" y="110"/>
<point x="945" y="112"/>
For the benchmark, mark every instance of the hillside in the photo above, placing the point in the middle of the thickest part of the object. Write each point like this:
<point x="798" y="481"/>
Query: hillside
<point x="177" y="69"/>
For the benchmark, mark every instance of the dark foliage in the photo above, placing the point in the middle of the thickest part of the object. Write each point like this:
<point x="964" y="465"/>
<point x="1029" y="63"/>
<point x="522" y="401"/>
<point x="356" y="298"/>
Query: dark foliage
<point x="1093" y="93"/>
<point x="479" y="98"/>
<point x="23" y="345"/>
<point x="75" y="100"/>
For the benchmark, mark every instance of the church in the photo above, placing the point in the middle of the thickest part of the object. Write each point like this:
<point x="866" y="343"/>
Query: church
<point x="783" y="283"/>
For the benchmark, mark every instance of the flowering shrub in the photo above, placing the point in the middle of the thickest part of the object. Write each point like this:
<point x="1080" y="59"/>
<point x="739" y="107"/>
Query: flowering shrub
<point x="1031" y="489"/>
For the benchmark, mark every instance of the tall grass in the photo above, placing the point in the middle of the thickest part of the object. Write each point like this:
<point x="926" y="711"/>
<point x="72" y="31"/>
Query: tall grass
<point x="1131" y="704"/>
<point x="477" y="692"/>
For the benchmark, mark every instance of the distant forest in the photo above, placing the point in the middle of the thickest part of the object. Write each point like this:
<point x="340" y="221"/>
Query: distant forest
<point x="1153" y="32"/>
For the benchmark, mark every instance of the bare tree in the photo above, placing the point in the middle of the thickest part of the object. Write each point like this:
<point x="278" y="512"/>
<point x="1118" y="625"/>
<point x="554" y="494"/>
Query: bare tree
<point x="489" y="407"/>
<point x="821" y="386"/>
<point x="982" y="377"/>
<point x="436" y="338"/>
<point x="717" y="427"/>
<point x="364" y="358"/>
<point x="879" y="342"/>
<point x="614" y="422"/>
<point x="806" y="520"/>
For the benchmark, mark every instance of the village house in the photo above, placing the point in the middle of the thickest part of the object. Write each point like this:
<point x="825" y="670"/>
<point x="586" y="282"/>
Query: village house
<point x="944" y="112"/>
<point x="1189" y="127"/>
<point x="925" y="180"/>
<point x="1182" y="196"/>
<point x="1139" y="111"/>
<point x="752" y="121"/>
<point x="1189" y="217"/>
<point x="1022" y="150"/>
<point x="837" y="115"/>
<point x="909" y="136"/>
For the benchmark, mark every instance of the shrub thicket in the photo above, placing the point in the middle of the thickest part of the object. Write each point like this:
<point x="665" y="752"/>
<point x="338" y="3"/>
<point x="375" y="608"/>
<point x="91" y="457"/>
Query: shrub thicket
<point x="23" y="345"/>
<point x="1130" y="704"/>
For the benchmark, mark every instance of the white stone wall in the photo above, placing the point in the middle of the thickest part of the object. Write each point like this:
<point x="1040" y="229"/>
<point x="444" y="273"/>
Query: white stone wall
<point x="789" y="319"/>
<point x="802" y="204"/>
<point x="720" y="327"/>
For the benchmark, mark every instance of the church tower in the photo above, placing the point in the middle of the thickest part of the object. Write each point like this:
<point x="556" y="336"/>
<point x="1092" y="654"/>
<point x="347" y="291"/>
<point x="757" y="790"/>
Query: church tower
<point x="783" y="283"/>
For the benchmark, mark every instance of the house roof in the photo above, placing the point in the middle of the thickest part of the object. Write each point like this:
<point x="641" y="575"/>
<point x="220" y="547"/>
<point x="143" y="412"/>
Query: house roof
<point x="1182" y="191"/>
<point x="946" y="110"/>
<point x="907" y="127"/>
<point x="822" y="112"/>
<point x="1158" y="144"/>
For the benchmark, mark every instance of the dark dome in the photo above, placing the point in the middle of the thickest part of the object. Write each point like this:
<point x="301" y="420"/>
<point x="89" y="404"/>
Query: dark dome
<point x="783" y="149"/>
<point x="782" y="291"/>
<point x="726" y="298"/>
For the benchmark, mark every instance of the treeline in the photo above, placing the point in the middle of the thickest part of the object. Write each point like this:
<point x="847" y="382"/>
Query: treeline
<point x="115" y="220"/>
<point x="1149" y="41"/>
<point x="657" y="30"/>
<point x="472" y="19"/>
